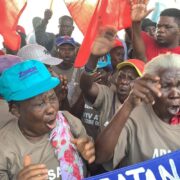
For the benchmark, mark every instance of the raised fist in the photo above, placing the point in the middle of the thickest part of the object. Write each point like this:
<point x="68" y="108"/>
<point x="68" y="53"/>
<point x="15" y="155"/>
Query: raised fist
<point x="47" y="14"/>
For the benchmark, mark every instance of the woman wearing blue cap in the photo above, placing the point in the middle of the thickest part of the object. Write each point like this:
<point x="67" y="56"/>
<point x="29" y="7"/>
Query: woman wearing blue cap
<point x="44" y="142"/>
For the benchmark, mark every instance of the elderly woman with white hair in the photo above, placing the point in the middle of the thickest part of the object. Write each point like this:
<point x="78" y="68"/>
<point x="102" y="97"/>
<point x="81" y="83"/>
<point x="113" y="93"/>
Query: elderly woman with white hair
<point x="143" y="128"/>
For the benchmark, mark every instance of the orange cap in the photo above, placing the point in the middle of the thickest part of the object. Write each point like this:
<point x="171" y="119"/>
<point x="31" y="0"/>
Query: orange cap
<point x="136" y="63"/>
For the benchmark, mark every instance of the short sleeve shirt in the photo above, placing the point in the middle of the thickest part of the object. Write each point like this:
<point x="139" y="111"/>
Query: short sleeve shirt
<point x="14" y="146"/>
<point x="107" y="103"/>
<point x="153" y="49"/>
<point x="144" y="137"/>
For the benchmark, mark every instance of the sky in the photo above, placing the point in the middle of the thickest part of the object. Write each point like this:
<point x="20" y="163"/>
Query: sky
<point x="37" y="8"/>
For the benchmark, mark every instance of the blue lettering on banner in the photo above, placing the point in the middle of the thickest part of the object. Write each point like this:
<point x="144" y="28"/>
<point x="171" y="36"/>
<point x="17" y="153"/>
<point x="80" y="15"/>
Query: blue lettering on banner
<point x="166" y="167"/>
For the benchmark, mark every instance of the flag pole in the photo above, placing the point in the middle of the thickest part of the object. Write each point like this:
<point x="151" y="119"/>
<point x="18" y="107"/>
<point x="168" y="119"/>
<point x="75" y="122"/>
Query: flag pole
<point x="51" y="4"/>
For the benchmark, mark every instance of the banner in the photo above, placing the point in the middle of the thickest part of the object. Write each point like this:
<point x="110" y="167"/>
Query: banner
<point x="163" y="168"/>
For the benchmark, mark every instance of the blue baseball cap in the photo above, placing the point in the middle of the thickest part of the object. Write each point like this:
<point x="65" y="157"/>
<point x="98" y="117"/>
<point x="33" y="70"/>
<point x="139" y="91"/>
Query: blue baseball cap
<point x="104" y="61"/>
<point x="60" y="40"/>
<point x="26" y="80"/>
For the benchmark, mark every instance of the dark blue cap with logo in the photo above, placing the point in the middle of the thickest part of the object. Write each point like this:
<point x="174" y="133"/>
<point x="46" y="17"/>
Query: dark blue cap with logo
<point x="60" y="40"/>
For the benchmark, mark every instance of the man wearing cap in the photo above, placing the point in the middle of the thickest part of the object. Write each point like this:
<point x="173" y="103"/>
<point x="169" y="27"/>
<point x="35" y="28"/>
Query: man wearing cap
<point x="103" y="98"/>
<point x="142" y="128"/>
<point x="106" y="66"/>
<point x="39" y="143"/>
<point x="6" y="61"/>
<point x="107" y="100"/>
<point x="66" y="50"/>
<point x="48" y="39"/>
<point x="117" y="53"/>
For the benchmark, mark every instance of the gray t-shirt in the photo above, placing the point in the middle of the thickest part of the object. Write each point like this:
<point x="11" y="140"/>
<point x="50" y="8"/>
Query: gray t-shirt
<point x="107" y="103"/>
<point x="144" y="137"/>
<point x="14" y="146"/>
<point x="5" y="115"/>
<point x="90" y="120"/>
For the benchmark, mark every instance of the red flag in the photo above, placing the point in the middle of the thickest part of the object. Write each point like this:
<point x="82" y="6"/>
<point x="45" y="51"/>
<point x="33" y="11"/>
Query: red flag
<point x="91" y="15"/>
<point x="10" y="11"/>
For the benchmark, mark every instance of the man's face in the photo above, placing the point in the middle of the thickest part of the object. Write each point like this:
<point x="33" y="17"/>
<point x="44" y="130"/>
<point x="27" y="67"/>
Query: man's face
<point x="167" y="32"/>
<point x="170" y="99"/>
<point x="117" y="56"/>
<point x="37" y="116"/>
<point x="124" y="82"/>
<point x="67" y="52"/>
<point x="65" y="27"/>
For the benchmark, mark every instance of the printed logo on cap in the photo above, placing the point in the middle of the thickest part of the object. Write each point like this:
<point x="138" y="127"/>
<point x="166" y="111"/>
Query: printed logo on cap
<point x="27" y="73"/>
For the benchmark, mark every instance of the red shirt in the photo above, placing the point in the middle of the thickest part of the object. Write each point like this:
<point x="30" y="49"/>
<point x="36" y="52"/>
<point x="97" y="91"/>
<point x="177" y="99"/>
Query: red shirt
<point x="153" y="49"/>
<point x="175" y="120"/>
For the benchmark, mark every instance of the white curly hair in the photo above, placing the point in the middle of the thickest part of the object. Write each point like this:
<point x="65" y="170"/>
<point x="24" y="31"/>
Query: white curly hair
<point x="163" y="61"/>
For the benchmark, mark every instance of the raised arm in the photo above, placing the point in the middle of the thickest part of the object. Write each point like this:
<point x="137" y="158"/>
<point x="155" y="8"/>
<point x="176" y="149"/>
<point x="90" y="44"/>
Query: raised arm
<point x="43" y="38"/>
<point x="138" y="13"/>
<point x="144" y="89"/>
<point x="87" y="85"/>
<point x="102" y="44"/>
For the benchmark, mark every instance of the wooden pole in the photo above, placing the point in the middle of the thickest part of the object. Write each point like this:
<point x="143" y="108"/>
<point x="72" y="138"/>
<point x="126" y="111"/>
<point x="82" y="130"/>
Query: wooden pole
<point x="51" y="4"/>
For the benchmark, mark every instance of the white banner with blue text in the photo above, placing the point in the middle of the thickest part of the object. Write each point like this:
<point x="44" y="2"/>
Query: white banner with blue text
<point x="166" y="167"/>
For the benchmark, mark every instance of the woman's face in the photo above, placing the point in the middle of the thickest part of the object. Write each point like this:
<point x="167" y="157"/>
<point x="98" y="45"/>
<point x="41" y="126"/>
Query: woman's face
<point x="37" y="116"/>
<point x="170" y="89"/>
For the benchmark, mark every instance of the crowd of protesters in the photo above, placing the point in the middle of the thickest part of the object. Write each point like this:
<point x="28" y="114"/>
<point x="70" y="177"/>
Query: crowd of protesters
<point x="121" y="108"/>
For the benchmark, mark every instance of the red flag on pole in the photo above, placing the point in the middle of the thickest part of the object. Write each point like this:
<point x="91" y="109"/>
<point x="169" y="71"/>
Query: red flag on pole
<point x="91" y="15"/>
<point x="10" y="11"/>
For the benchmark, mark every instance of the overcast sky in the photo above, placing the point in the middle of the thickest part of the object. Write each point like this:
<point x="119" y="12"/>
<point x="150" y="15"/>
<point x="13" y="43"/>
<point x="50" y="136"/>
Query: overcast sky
<point x="37" y="7"/>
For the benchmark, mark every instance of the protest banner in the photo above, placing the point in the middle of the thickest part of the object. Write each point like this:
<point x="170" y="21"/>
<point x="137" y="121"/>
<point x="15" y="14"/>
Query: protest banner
<point x="166" y="167"/>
